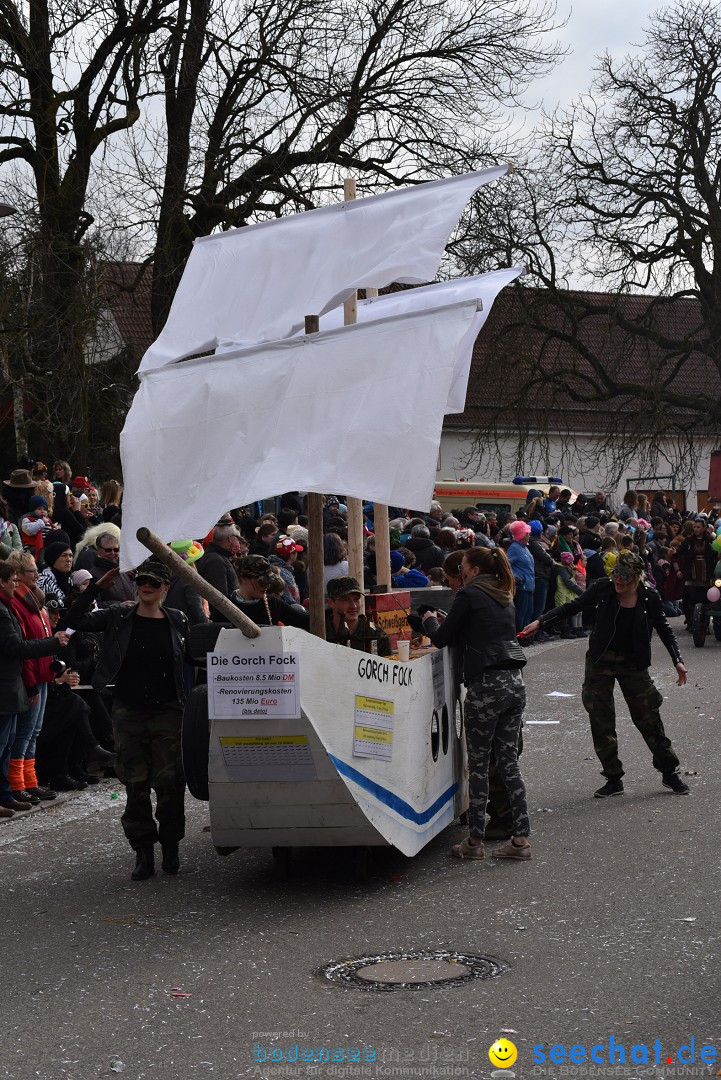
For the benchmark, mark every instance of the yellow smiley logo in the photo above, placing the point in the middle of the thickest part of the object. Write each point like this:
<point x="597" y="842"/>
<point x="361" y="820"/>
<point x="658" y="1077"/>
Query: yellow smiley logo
<point x="502" y="1054"/>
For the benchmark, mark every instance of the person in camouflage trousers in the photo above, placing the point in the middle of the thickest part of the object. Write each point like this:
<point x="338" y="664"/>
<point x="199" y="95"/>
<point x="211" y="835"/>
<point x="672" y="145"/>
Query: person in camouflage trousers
<point x="142" y="656"/>
<point x="644" y="701"/>
<point x="482" y="624"/>
<point x="500" y="820"/>
<point x="493" y="715"/>
<point x="627" y="612"/>
<point x="148" y="747"/>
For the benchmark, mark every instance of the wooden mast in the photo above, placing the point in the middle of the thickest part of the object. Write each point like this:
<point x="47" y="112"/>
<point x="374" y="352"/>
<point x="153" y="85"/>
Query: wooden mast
<point x="355" y="506"/>
<point x="315" y="538"/>
<point x="380" y="526"/>
<point x="191" y="577"/>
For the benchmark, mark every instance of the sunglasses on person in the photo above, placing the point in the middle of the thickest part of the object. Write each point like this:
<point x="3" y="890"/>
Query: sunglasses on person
<point x="113" y="551"/>
<point x="149" y="581"/>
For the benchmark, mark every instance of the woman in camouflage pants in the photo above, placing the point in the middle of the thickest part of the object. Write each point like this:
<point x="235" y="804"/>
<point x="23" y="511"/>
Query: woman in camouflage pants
<point x="481" y="623"/>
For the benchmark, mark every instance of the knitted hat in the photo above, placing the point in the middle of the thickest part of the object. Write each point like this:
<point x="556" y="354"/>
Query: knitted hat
<point x="36" y="502"/>
<point x="550" y="531"/>
<point x="79" y="576"/>
<point x="397" y="561"/>
<point x="566" y="558"/>
<point x="59" y="536"/>
<point x="53" y="552"/>
<point x="536" y="527"/>
<point x="519" y="529"/>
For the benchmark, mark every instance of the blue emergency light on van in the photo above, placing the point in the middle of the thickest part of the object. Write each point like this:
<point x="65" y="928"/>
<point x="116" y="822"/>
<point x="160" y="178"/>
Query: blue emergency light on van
<point x="537" y="480"/>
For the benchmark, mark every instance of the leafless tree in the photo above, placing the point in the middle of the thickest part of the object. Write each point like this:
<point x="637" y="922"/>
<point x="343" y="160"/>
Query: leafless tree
<point x="624" y="199"/>
<point x="71" y="78"/>
<point x="267" y="105"/>
<point x="204" y="114"/>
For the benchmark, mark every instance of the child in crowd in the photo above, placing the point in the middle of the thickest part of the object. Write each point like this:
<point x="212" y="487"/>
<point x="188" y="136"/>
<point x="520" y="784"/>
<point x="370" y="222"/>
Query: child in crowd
<point x="609" y="554"/>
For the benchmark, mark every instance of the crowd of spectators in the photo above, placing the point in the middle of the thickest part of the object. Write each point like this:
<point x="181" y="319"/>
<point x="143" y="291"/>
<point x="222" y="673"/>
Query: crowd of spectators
<point x="60" y="534"/>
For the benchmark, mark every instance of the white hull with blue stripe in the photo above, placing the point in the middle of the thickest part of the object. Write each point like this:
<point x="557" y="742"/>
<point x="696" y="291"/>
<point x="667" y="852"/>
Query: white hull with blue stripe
<point x="307" y="781"/>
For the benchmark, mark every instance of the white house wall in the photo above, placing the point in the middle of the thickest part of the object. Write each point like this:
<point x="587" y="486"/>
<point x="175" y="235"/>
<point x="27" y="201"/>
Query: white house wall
<point x="581" y="467"/>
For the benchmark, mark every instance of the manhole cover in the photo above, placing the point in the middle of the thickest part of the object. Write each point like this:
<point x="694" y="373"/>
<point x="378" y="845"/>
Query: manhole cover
<point x="411" y="970"/>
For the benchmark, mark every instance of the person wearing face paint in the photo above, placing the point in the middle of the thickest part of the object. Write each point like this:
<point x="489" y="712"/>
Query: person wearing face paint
<point x="142" y="654"/>
<point x="627" y="611"/>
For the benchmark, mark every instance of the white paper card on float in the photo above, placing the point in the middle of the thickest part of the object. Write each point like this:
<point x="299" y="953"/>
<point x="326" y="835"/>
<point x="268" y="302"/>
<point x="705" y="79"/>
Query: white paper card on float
<point x="256" y="686"/>
<point x="373" y="728"/>
<point x="255" y="758"/>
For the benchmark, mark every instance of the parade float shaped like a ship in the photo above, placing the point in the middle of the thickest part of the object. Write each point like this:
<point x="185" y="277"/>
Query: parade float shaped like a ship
<point x="312" y="743"/>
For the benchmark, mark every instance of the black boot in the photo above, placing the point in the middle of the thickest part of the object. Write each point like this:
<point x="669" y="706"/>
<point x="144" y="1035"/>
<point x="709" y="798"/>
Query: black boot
<point x="97" y="758"/>
<point x="66" y="783"/>
<point x="171" y="861"/>
<point x="144" y="863"/>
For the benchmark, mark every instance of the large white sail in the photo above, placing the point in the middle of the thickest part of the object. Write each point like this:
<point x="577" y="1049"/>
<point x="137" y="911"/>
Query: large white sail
<point x="258" y="283"/>
<point x="484" y="287"/>
<point x="358" y="409"/>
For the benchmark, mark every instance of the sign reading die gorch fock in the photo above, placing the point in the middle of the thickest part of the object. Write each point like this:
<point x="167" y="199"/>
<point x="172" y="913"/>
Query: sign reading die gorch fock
<point x="255" y="685"/>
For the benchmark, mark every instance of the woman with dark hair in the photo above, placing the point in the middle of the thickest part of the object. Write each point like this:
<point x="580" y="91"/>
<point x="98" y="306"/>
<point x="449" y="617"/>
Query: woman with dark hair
<point x="445" y="539"/>
<point x="55" y="578"/>
<point x="482" y="623"/>
<point x="335" y="563"/>
<point x="110" y="498"/>
<point x="66" y="513"/>
<point x="629" y="506"/>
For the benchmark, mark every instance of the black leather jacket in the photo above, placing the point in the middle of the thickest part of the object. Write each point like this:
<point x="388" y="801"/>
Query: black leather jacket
<point x="601" y="596"/>
<point x="116" y="625"/>
<point x="484" y="629"/>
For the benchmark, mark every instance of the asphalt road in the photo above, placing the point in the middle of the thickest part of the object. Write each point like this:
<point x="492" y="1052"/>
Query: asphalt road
<point x="611" y="930"/>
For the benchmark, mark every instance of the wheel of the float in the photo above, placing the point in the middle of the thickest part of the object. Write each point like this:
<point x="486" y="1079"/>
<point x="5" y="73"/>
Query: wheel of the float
<point x="196" y="742"/>
<point x="361" y="862"/>
<point x="717" y="627"/>
<point x="283" y="859"/>
<point x="699" y="626"/>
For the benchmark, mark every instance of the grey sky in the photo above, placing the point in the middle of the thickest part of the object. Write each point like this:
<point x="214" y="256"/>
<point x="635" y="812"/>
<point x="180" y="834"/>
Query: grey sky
<point x="593" y="27"/>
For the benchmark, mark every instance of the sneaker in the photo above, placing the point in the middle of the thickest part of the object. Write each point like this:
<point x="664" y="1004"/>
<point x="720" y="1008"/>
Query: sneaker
<point x="26" y="797"/>
<point x="512" y="851"/>
<point x="611" y="787"/>
<point x="45" y="794"/>
<point x="676" y="784"/>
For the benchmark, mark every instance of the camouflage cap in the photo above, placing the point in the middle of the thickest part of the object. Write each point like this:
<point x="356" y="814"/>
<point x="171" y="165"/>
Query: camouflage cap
<point x="155" y="570"/>
<point x="340" y="587"/>
<point x="256" y="567"/>
<point x="628" y="565"/>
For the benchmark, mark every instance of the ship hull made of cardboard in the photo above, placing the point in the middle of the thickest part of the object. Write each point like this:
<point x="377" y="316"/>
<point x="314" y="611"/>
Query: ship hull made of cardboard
<point x="313" y="744"/>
